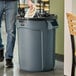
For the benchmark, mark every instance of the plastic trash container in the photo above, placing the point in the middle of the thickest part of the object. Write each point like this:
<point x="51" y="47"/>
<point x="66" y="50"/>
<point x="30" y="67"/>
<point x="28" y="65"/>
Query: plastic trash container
<point x="36" y="43"/>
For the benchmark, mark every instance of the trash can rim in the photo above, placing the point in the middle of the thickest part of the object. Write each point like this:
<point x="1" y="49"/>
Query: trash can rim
<point x="36" y="18"/>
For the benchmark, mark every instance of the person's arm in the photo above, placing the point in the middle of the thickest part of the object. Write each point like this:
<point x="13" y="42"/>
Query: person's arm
<point x="30" y="4"/>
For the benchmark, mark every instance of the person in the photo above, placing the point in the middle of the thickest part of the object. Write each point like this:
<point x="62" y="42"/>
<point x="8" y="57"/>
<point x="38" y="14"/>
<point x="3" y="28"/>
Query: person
<point x="10" y="9"/>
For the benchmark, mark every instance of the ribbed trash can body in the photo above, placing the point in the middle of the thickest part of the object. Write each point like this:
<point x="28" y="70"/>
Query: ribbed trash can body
<point x="36" y="44"/>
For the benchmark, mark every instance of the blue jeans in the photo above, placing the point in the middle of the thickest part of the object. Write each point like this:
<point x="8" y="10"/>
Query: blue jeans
<point x="10" y="9"/>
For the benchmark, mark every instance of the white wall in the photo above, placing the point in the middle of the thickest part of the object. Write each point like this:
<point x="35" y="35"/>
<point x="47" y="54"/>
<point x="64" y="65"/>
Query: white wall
<point x="67" y="43"/>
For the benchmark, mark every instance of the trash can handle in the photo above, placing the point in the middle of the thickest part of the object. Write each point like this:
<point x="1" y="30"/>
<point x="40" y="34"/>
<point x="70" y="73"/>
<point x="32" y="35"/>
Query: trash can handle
<point x="51" y="24"/>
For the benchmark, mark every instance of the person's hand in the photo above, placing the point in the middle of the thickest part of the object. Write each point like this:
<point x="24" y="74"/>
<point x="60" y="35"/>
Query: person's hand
<point x="30" y="4"/>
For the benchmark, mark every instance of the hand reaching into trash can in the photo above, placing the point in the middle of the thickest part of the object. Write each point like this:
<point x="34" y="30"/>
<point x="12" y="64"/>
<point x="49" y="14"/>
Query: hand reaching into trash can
<point x="30" y="4"/>
<point x="31" y="11"/>
<point x="21" y="9"/>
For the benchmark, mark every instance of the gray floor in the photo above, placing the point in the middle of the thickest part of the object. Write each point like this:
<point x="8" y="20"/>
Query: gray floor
<point x="16" y="72"/>
<point x="58" y="71"/>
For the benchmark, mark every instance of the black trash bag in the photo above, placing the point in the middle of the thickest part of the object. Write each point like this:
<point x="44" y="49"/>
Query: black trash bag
<point x="44" y="14"/>
<point x="21" y="12"/>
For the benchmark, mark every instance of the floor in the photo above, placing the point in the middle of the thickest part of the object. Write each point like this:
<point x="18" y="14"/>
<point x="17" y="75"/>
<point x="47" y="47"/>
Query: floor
<point x="16" y="72"/>
<point x="58" y="71"/>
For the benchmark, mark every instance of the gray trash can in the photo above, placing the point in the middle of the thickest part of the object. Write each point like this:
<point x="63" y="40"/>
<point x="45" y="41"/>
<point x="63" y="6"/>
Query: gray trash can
<point x="36" y="43"/>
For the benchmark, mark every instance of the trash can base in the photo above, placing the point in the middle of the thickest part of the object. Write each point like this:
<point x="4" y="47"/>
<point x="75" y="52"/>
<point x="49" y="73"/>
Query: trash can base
<point x="36" y="71"/>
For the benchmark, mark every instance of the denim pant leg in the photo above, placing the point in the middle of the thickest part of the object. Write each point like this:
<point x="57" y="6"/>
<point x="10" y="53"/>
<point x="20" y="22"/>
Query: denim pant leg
<point x="1" y="13"/>
<point x="11" y="11"/>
